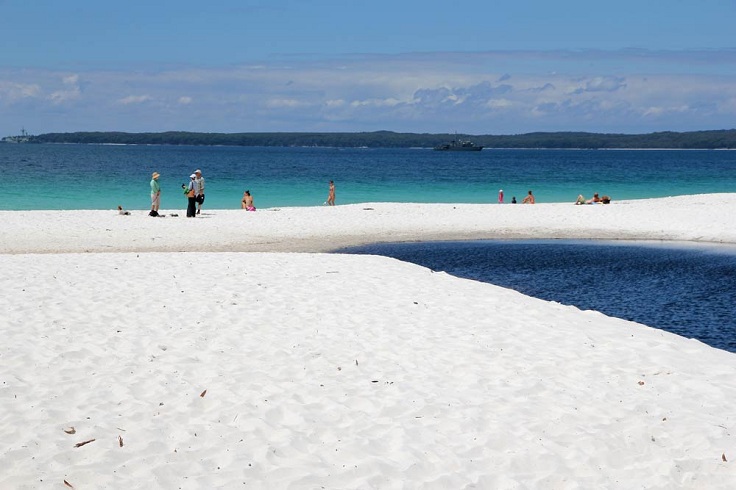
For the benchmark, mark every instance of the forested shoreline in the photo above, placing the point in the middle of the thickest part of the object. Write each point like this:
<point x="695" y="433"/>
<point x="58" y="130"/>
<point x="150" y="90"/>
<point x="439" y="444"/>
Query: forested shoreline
<point x="717" y="139"/>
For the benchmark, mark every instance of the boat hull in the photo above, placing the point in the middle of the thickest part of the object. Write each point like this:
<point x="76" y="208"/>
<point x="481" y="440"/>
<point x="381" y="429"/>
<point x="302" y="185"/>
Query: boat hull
<point x="473" y="148"/>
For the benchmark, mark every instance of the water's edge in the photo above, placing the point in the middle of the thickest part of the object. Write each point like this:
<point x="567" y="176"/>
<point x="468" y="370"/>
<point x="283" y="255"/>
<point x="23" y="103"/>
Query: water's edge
<point x="687" y="288"/>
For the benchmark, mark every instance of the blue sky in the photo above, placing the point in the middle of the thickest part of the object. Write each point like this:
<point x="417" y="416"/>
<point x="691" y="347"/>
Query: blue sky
<point x="478" y="67"/>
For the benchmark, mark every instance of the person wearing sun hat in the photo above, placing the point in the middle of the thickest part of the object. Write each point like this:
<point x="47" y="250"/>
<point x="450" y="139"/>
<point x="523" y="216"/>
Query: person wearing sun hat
<point x="191" y="197"/>
<point x="155" y="194"/>
<point x="199" y="189"/>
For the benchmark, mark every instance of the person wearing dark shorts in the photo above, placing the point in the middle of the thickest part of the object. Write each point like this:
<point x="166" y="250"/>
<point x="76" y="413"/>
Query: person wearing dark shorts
<point x="191" y="197"/>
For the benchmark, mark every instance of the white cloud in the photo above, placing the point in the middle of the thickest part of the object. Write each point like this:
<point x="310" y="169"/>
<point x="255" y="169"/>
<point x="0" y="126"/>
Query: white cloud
<point x="600" y="84"/>
<point x="390" y="102"/>
<point x="70" y="91"/>
<point x="543" y="88"/>
<point x="662" y="111"/>
<point x="71" y="80"/>
<point x="499" y="104"/>
<point x="12" y="91"/>
<point x="419" y="93"/>
<point x="286" y="103"/>
<point x="134" y="99"/>
<point x="61" y="96"/>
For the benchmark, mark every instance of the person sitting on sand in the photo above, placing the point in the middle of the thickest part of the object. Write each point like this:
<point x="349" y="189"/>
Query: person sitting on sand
<point x="122" y="211"/>
<point x="247" y="202"/>
<point x="595" y="199"/>
<point x="580" y="199"/>
<point x="529" y="199"/>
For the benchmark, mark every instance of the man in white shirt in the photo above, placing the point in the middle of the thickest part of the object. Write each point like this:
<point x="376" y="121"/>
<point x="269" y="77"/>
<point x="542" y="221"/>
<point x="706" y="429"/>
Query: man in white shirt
<point x="199" y="189"/>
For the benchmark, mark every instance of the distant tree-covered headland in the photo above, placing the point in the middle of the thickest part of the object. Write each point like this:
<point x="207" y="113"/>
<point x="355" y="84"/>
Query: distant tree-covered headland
<point x="719" y="139"/>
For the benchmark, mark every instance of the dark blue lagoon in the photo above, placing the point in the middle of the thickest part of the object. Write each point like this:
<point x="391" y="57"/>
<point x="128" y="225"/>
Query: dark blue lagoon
<point x="686" y="289"/>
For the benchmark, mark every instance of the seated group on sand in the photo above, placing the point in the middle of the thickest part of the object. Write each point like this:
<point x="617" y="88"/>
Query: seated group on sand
<point x="594" y="200"/>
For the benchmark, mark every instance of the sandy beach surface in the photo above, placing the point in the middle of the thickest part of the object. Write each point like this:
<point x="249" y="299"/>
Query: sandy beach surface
<point x="708" y="218"/>
<point x="145" y="352"/>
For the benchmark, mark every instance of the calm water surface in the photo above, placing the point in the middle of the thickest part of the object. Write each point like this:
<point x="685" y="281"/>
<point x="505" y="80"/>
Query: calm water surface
<point x="103" y="176"/>
<point x="685" y="289"/>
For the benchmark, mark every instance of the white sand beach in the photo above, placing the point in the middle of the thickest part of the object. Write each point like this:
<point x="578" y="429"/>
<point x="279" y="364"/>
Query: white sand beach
<point x="705" y="218"/>
<point x="145" y="352"/>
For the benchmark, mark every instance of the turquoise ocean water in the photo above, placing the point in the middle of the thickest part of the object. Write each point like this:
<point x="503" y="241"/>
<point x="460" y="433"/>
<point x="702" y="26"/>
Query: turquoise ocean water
<point x="103" y="176"/>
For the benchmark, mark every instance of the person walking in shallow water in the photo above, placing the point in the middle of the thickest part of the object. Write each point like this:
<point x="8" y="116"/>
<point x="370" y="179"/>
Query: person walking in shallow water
<point x="155" y="194"/>
<point x="331" y="194"/>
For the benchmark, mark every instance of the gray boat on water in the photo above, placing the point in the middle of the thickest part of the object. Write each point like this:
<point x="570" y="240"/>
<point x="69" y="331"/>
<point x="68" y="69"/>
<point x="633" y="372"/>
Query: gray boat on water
<point x="23" y="137"/>
<point x="458" y="145"/>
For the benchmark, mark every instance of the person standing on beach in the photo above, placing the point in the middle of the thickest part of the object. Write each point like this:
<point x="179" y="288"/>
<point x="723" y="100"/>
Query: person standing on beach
<point x="199" y="189"/>
<point x="331" y="194"/>
<point x="529" y="199"/>
<point x="155" y="194"/>
<point x="192" y="197"/>
<point x="500" y="196"/>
